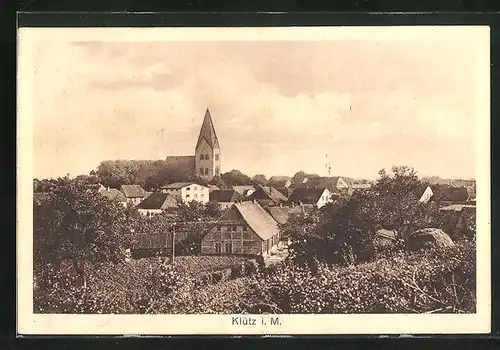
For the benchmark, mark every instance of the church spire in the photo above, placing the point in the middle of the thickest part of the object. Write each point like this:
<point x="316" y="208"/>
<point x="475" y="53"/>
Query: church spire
<point x="207" y="132"/>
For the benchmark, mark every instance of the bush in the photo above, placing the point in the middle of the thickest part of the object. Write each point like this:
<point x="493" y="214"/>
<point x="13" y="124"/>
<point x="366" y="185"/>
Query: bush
<point x="435" y="281"/>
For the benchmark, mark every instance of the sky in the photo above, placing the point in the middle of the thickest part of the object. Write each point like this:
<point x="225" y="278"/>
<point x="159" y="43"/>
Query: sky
<point x="277" y="106"/>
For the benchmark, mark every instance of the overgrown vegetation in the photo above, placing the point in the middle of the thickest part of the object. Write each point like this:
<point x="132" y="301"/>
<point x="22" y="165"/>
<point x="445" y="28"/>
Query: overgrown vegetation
<point x="335" y="263"/>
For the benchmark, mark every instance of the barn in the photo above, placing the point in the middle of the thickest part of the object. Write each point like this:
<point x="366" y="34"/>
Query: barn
<point x="246" y="228"/>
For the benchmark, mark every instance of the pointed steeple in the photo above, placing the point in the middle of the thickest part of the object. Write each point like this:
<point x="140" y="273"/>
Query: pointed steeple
<point x="207" y="132"/>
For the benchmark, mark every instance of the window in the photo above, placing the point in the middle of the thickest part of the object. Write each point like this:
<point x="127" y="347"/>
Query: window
<point x="201" y="195"/>
<point x="188" y="188"/>
<point x="206" y="171"/>
<point x="206" y="157"/>
<point x="187" y="195"/>
<point x="228" y="247"/>
<point x="201" y="171"/>
<point x="217" y="156"/>
<point x="217" y="171"/>
<point x="244" y="229"/>
<point x="218" y="248"/>
<point x="195" y="195"/>
<point x="234" y="228"/>
<point x="201" y="156"/>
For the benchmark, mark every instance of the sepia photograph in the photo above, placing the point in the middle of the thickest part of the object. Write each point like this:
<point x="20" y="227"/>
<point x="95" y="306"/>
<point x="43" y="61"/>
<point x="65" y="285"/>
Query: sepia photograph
<point x="253" y="180"/>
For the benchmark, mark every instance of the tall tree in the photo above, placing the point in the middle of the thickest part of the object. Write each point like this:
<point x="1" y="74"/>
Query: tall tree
<point x="259" y="179"/>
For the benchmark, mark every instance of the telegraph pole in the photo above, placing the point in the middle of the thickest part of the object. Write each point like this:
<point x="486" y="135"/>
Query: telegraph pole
<point x="173" y="244"/>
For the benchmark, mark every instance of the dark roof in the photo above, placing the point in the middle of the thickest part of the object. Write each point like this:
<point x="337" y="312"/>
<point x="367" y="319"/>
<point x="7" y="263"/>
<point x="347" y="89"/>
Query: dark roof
<point x="158" y="200"/>
<point x="243" y="189"/>
<point x="322" y="182"/>
<point x="286" y="191"/>
<point x="225" y="196"/>
<point x="450" y="194"/>
<point x="306" y="195"/>
<point x="114" y="194"/>
<point x="258" y="219"/>
<point x="267" y="193"/>
<point x="207" y="132"/>
<point x="280" y="215"/>
<point x="133" y="191"/>
<point x="182" y="164"/>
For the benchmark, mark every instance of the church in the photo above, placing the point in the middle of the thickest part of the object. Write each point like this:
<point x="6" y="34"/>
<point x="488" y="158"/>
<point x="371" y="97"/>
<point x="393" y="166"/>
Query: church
<point x="205" y="163"/>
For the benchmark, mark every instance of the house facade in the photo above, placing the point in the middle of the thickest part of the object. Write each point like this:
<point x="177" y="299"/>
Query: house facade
<point x="186" y="192"/>
<point x="246" y="229"/>
<point x="133" y="193"/>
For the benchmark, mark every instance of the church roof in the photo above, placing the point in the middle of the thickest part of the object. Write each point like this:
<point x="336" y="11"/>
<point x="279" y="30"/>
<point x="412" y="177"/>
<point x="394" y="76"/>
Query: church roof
<point x="207" y="132"/>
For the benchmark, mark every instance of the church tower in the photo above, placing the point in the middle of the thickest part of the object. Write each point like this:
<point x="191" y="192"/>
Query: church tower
<point x="207" y="151"/>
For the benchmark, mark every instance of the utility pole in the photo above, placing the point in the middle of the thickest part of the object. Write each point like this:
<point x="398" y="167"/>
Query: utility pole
<point x="173" y="245"/>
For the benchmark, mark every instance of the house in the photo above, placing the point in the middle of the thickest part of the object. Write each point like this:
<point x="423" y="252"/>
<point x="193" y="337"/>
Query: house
<point x="426" y="196"/>
<point x="186" y="192"/>
<point x="267" y="196"/>
<point x="448" y="195"/>
<point x="317" y="197"/>
<point x="157" y="203"/>
<point x="225" y="198"/>
<point x="245" y="191"/>
<point x="133" y="193"/>
<point x="115" y="195"/>
<point x="246" y="228"/>
<point x="335" y="184"/>
<point x="213" y="188"/>
<point x="206" y="161"/>
<point x="361" y="186"/>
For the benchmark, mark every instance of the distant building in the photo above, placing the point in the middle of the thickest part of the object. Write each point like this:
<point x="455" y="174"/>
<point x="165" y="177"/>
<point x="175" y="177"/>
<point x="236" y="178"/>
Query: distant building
<point x="279" y="181"/>
<point x="225" y="198"/>
<point x="267" y="196"/>
<point x="245" y="191"/>
<point x="314" y="196"/>
<point x="426" y="196"/>
<point x="157" y="203"/>
<point x="133" y="193"/>
<point x="186" y="192"/>
<point x="246" y="228"/>
<point x="447" y="195"/>
<point x="335" y="184"/>
<point x="115" y="195"/>
<point x="285" y="191"/>
<point x="206" y="162"/>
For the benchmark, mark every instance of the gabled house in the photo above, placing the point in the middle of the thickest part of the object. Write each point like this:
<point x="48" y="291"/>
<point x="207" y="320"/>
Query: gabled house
<point x="317" y="197"/>
<point x="225" y="198"/>
<point x="157" y="203"/>
<point x="186" y="192"/>
<point x="115" y="195"/>
<point x="245" y="191"/>
<point x="246" y="228"/>
<point x="133" y="193"/>
<point x="447" y="195"/>
<point x="267" y="196"/>
<point x="335" y="184"/>
<point x="426" y="196"/>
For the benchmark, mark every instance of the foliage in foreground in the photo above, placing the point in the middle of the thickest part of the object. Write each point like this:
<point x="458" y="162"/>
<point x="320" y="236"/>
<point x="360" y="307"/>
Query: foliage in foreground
<point x="435" y="281"/>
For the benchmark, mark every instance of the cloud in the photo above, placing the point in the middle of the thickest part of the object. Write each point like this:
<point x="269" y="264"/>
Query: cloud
<point x="277" y="106"/>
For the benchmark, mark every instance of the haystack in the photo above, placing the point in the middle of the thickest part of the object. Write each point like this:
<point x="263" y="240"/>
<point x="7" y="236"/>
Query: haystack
<point x="429" y="238"/>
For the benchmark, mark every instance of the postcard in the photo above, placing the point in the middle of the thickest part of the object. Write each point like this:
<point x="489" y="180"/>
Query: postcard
<point x="285" y="180"/>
